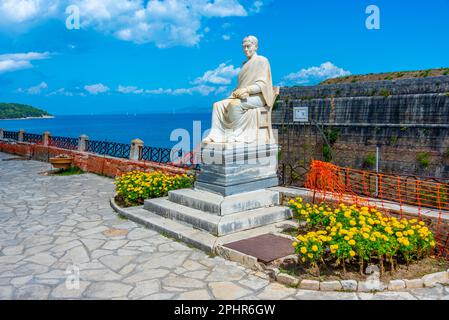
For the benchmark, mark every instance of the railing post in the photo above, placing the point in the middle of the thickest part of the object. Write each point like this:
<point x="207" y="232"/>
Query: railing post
<point x="46" y="137"/>
<point x="82" y="143"/>
<point x="135" y="152"/>
<point x="21" y="135"/>
<point x="1" y="133"/>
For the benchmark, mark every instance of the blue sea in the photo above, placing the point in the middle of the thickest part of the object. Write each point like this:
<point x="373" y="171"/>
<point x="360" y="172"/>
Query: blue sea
<point x="153" y="129"/>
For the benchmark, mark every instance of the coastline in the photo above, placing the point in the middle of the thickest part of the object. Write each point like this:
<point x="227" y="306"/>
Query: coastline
<point x="28" y="118"/>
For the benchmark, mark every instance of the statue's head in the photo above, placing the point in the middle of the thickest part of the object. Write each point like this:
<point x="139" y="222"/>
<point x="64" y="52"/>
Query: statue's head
<point x="250" y="46"/>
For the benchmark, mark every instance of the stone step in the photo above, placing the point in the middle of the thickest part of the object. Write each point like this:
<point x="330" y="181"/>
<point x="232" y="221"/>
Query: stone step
<point x="217" y="225"/>
<point x="195" y="237"/>
<point x="219" y="205"/>
<point x="198" y="238"/>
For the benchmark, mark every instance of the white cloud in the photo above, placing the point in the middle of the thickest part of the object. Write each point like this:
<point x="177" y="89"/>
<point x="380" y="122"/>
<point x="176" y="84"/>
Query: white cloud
<point x="313" y="75"/>
<point x="211" y="82"/>
<point x="62" y="92"/>
<point x="164" y="22"/>
<point x="226" y="37"/>
<point x="35" y="89"/>
<point x="203" y="90"/>
<point x="129" y="89"/>
<point x="223" y="74"/>
<point x="158" y="91"/>
<point x="18" y="61"/>
<point x="257" y="6"/>
<point x="96" y="88"/>
<point x="221" y="8"/>
<point x="23" y="12"/>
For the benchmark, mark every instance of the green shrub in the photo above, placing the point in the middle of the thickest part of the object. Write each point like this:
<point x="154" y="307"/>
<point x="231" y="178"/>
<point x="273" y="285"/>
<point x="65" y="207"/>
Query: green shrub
<point x="385" y="93"/>
<point x="327" y="153"/>
<point x="392" y="140"/>
<point x="370" y="160"/>
<point x="331" y="135"/>
<point x="423" y="159"/>
<point x="73" y="170"/>
<point x="425" y="73"/>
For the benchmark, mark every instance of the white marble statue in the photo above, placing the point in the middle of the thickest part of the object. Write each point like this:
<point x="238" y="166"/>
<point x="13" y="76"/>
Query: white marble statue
<point x="235" y="119"/>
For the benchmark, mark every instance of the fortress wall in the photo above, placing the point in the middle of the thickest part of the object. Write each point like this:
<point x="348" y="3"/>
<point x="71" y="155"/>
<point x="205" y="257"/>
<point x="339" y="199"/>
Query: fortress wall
<point x="408" y="119"/>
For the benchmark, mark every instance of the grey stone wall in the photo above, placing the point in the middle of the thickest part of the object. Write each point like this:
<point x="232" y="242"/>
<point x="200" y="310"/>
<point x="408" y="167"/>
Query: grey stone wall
<point x="408" y="119"/>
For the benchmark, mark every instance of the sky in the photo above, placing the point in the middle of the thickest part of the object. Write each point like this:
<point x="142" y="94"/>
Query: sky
<point x="136" y="56"/>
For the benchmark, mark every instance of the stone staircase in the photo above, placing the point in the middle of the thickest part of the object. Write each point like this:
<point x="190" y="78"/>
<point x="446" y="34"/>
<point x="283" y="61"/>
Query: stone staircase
<point x="218" y="215"/>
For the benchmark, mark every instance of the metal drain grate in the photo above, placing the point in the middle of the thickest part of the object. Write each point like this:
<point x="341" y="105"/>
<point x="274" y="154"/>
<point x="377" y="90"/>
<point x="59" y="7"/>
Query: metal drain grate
<point x="265" y="248"/>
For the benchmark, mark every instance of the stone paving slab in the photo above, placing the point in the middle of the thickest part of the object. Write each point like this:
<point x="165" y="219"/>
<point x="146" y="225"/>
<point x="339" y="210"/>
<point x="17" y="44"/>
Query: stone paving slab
<point x="56" y="229"/>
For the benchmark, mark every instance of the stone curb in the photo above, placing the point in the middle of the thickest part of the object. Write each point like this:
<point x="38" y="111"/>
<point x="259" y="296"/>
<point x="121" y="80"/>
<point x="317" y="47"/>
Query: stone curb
<point x="429" y="280"/>
<point x="236" y="256"/>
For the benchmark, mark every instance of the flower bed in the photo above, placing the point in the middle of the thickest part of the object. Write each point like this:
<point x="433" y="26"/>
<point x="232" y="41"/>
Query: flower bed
<point x="134" y="187"/>
<point x="348" y="236"/>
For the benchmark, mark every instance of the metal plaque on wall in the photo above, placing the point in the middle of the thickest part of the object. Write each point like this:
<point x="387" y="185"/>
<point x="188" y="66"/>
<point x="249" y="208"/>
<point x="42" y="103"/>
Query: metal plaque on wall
<point x="301" y="114"/>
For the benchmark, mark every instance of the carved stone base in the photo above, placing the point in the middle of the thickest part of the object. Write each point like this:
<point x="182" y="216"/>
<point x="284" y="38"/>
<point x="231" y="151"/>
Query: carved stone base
<point x="229" y="169"/>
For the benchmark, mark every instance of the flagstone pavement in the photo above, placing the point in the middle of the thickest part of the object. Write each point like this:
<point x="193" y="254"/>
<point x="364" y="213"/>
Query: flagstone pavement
<point x="57" y="229"/>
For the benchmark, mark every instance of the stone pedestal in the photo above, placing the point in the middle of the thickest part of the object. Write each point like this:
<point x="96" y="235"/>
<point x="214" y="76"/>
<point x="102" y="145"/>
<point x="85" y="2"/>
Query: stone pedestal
<point x="230" y="194"/>
<point x="229" y="169"/>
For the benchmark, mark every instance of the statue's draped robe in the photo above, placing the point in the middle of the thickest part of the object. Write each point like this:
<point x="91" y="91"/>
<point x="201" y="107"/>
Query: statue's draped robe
<point x="235" y="120"/>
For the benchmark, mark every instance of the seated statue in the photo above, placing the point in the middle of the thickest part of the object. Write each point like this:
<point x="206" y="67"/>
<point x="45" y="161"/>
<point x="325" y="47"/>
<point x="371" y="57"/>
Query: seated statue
<point x="235" y="119"/>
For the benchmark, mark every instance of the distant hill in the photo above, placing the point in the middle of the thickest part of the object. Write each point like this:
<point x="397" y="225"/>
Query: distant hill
<point x="16" y="111"/>
<point x="388" y="76"/>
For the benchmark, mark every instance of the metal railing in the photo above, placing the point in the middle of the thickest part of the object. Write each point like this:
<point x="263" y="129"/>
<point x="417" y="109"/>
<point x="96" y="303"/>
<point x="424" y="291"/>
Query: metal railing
<point x="106" y="148"/>
<point x="113" y="149"/>
<point x="13" y="135"/>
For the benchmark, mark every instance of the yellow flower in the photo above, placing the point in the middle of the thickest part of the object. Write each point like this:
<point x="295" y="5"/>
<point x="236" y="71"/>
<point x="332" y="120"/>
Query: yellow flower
<point x="366" y="235"/>
<point x="310" y="255"/>
<point x="295" y="244"/>
<point x="351" y="253"/>
<point x="314" y="248"/>
<point x="352" y="242"/>
<point x="303" y="250"/>
<point x="398" y="234"/>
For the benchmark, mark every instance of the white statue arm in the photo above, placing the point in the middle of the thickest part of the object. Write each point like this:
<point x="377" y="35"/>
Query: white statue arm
<point x="254" y="89"/>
